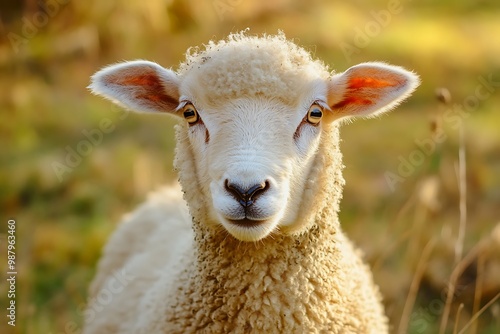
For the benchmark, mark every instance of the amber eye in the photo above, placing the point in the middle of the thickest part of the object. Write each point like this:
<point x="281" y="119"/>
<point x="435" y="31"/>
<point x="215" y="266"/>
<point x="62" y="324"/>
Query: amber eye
<point x="314" y="114"/>
<point x="190" y="114"/>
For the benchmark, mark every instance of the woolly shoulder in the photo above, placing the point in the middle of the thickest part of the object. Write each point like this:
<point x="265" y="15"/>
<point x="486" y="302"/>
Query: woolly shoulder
<point x="161" y="223"/>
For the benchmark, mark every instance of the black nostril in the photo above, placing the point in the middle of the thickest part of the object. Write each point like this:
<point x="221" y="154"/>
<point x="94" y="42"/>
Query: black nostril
<point x="246" y="197"/>
<point x="257" y="189"/>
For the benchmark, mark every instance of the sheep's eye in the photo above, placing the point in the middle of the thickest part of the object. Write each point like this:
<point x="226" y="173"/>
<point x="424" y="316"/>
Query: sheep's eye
<point x="314" y="114"/>
<point x="190" y="114"/>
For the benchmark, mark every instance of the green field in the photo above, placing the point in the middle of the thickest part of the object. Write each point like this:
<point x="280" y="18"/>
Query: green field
<point x="402" y="198"/>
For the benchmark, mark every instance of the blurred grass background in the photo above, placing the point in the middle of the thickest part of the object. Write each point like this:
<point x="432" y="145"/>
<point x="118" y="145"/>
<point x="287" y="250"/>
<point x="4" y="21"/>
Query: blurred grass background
<point x="408" y="231"/>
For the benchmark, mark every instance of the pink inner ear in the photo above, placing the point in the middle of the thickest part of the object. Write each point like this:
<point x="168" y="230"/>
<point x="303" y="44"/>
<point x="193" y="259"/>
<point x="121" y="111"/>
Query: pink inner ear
<point x="351" y="100"/>
<point x="356" y="83"/>
<point x="153" y="90"/>
<point x="363" y="91"/>
<point x="145" y="80"/>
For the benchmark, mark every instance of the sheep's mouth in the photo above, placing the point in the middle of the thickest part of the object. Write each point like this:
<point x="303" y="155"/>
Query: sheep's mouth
<point x="246" y="222"/>
<point x="248" y="229"/>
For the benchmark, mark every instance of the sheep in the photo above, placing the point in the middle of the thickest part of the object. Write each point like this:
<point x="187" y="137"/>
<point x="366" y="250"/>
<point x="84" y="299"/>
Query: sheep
<point x="254" y="244"/>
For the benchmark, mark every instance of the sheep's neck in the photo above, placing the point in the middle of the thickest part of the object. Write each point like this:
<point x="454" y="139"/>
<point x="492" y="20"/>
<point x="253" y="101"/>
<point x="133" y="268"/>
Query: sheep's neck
<point x="233" y="281"/>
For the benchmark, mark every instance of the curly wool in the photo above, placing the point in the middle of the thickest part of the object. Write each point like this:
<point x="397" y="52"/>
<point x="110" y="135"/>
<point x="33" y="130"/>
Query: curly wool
<point x="311" y="281"/>
<point x="279" y="67"/>
<point x="314" y="281"/>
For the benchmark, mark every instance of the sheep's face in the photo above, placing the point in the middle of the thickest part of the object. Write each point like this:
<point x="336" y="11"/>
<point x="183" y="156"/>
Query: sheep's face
<point x="253" y="156"/>
<point x="253" y="153"/>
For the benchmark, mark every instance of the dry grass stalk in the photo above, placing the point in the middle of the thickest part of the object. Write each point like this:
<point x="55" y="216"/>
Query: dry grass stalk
<point x="459" y="269"/>
<point x="459" y="245"/>
<point x="478" y="314"/>
<point x="414" y="286"/>
<point x="403" y="212"/>
<point x="391" y="249"/>
<point x="388" y="251"/>
<point x="478" y="291"/>
<point x="419" y="229"/>
<point x="457" y="318"/>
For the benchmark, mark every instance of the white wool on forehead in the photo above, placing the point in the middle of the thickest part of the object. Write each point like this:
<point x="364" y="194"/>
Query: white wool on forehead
<point x="245" y="65"/>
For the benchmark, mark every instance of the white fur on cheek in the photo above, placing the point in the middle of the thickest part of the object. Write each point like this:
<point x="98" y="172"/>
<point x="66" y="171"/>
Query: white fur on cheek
<point x="199" y="147"/>
<point x="307" y="146"/>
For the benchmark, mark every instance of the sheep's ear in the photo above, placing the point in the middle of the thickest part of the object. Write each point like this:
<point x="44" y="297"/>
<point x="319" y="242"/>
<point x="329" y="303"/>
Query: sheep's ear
<point x="138" y="86"/>
<point x="369" y="89"/>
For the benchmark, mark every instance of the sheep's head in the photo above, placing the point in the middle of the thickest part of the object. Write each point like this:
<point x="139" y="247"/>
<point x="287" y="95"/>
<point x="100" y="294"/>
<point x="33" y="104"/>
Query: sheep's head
<point x="254" y="111"/>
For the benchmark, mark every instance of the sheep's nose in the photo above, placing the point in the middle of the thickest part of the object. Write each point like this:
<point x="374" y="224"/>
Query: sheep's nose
<point x="246" y="197"/>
